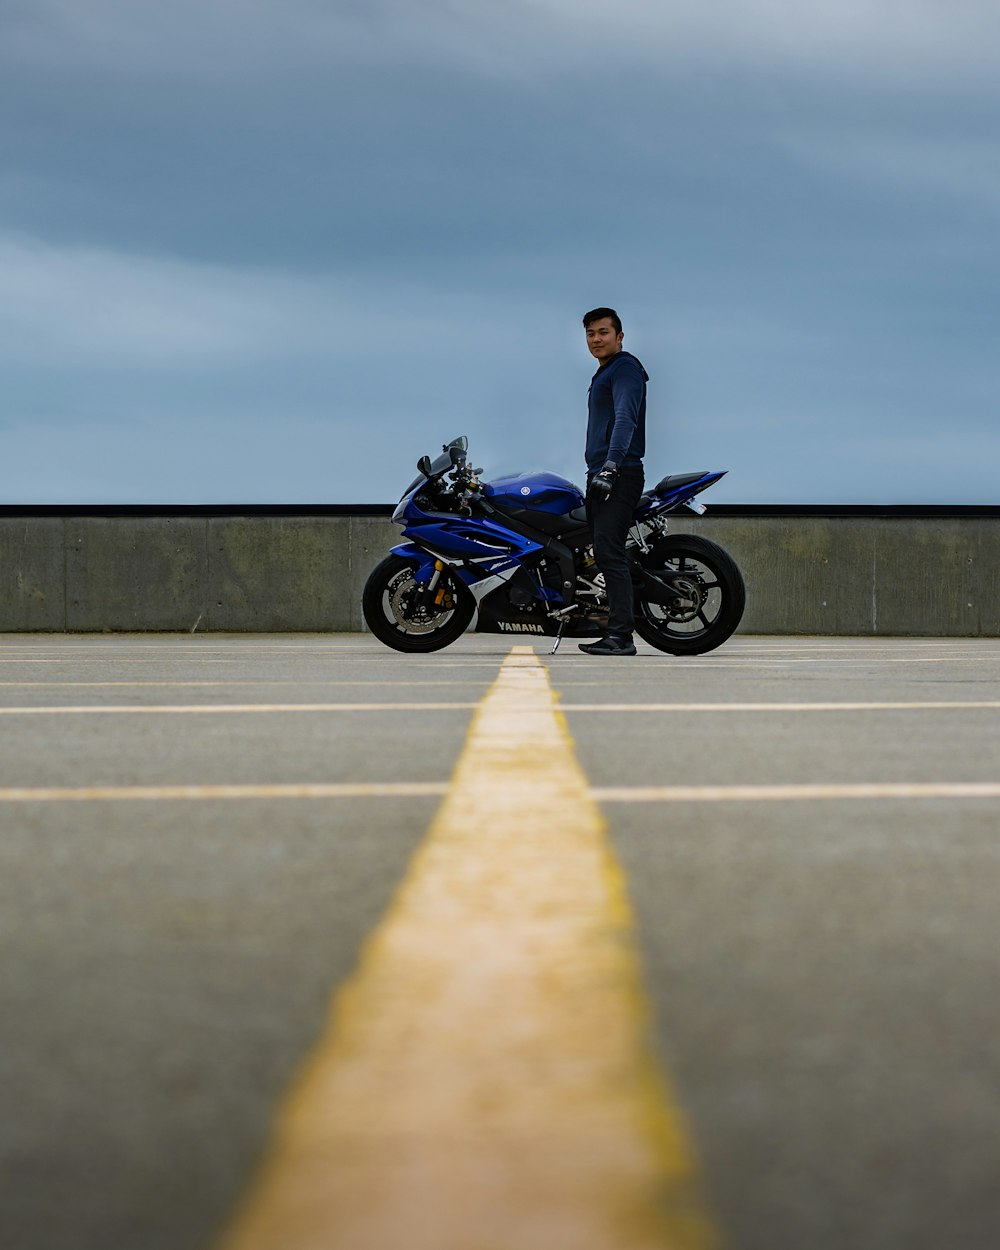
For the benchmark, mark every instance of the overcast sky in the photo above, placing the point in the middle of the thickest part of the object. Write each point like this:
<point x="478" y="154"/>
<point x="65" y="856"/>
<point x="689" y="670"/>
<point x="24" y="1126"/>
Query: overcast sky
<point x="273" y="250"/>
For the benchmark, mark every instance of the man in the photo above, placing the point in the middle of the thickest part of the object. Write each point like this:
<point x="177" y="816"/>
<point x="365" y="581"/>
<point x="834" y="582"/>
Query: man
<point x="616" y="443"/>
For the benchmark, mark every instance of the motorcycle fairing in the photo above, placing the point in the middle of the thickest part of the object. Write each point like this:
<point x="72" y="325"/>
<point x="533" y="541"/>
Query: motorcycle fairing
<point x="455" y="538"/>
<point x="491" y="573"/>
<point x="483" y="552"/>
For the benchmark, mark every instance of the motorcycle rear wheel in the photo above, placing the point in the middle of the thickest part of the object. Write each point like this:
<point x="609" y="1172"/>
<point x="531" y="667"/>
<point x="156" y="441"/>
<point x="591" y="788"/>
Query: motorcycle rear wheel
<point x="714" y="605"/>
<point x="398" y="615"/>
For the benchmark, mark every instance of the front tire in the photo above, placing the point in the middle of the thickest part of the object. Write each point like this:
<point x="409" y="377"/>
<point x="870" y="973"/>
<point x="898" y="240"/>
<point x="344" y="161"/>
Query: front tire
<point x="400" y="613"/>
<point x="712" y="608"/>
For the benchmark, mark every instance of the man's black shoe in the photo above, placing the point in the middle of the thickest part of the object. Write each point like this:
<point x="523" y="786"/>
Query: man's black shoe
<point x="613" y="644"/>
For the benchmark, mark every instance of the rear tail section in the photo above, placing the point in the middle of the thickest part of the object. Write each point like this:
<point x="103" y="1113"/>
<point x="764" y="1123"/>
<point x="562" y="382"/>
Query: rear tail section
<point x="674" y="491"/>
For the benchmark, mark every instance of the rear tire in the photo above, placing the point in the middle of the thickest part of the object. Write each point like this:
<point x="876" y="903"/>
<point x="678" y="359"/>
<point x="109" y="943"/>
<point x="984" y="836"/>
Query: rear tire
<point x="395" y="611"/>
<point x="714" y="606"/>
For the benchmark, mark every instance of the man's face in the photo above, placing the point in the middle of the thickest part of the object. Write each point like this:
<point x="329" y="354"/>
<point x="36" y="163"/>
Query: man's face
<point x="603" y="339"/>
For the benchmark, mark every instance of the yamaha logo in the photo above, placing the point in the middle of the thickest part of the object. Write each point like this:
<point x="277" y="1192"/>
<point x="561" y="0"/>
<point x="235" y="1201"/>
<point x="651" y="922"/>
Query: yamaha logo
<point x="519" y="627"/>
<point x="525" y="490"/>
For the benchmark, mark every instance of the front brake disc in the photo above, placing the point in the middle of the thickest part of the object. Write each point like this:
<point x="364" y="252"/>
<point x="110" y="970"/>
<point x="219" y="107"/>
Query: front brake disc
<point x="418" y="621"/>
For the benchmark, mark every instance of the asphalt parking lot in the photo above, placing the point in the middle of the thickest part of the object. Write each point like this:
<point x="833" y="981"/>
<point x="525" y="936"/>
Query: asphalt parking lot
<point x="200" y="833"/>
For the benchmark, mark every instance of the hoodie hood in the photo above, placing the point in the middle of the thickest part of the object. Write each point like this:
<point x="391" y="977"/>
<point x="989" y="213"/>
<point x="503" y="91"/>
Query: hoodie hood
<point x="617" y="358"/>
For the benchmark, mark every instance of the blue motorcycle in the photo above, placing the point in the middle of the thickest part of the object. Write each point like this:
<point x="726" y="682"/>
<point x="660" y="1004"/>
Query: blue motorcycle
<point x="516" y="553"/>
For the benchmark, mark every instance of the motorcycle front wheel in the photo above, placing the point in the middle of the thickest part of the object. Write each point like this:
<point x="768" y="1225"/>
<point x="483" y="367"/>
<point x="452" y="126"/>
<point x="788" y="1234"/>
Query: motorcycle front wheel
<point x="713" y="596"/>
<point x="406" y="616"/>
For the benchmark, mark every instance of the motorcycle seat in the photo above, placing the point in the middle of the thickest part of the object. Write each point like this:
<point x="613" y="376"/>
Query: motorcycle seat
<point x="675" y="481"/>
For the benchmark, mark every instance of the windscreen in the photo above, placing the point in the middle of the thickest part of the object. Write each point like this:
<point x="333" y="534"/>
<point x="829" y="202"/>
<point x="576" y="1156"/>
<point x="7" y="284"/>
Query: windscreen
<point x="440" y="464"/>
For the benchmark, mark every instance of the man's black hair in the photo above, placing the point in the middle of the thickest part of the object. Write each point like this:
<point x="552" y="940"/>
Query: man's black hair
<point x="598" y="314"/>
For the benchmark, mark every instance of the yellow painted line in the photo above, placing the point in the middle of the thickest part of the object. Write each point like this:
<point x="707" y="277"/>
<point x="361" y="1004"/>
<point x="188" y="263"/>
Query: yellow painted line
<point x="214" y="709"/>
<point x="797" y="793"/>
<point x="307" y="790"/>
<point x="936" y="705"/>
<point x="485" y="1079"/>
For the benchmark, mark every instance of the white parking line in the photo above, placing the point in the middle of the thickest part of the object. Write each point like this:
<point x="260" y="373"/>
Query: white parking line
<point x="225" y="709"/>
<point x="238" y="681"/>
<point x="797" y="793"/>
<point x="147" y="794"/>
<point x="872" y="706"/>
<point x="404" y="789"/>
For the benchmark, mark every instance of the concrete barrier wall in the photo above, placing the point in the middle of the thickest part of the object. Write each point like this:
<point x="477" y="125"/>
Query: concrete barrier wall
<point x="864" y="575"/>
<point x="255" y="572"/>
<point x="804" y="574"/>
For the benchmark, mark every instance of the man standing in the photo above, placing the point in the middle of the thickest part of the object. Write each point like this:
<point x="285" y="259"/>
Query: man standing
<point x="616" y="443"/>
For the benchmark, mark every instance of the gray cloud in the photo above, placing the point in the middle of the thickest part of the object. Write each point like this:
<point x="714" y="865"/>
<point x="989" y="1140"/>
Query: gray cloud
<point x="221" y="39"/>
<point x="377" y="224"/>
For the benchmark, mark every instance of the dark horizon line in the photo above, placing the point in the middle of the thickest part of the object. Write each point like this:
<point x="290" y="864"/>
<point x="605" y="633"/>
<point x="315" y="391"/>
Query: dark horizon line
<point x="386" y="510"/>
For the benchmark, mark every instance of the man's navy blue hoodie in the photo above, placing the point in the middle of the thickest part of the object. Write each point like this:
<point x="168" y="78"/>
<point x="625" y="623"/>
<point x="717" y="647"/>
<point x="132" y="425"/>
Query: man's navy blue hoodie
<point x="616" y="413"/>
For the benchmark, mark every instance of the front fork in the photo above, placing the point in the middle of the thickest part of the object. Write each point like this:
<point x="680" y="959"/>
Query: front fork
<point x="432" y="585"/>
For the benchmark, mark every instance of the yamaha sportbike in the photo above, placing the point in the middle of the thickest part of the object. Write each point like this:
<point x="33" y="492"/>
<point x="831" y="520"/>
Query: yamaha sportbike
<point x="516" y="553"/>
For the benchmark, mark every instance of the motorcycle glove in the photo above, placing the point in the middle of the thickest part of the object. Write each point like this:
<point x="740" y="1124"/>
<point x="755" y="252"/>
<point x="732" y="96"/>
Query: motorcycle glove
<point x="602" y="482"/>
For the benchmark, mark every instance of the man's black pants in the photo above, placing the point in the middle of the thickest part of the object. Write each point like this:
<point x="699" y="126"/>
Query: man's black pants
<point x="609" y="524"/>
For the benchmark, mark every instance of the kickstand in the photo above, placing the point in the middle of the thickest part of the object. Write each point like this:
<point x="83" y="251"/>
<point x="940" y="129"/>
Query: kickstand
<point x="555" y="645"/>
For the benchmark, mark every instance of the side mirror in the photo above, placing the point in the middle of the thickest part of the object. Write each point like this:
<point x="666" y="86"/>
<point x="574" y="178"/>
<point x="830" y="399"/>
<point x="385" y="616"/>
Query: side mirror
<point x="424" y="466"/>
<point x="457" y="455"/>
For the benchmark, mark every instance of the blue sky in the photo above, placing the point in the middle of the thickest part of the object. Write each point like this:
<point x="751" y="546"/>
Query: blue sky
<point x="273" y="250"/>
